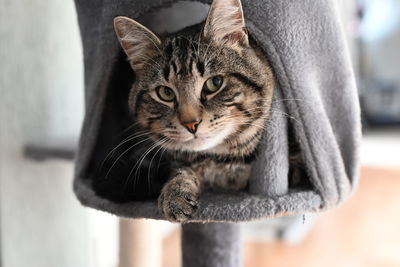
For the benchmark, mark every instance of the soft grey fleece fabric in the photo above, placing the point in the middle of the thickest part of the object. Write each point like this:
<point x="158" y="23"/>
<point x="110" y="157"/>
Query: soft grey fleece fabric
<point x="305" y="44"/>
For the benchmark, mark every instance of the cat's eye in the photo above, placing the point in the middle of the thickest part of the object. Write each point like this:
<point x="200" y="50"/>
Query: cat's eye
<point x="213" y="84"/>
<point x="165" y="93"/>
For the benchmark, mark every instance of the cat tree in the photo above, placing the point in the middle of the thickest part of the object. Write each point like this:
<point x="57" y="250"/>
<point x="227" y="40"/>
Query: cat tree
<point x="315" y="85"/>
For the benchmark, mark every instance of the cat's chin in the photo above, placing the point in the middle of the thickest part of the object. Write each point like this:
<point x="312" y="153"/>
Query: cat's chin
<point x="200" y="144"/>
<point x="196" y="144"/>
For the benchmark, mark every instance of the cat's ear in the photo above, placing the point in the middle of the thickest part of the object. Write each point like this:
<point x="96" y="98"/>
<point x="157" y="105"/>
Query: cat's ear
<point x="138" y="42"/>
<point x="225" y="22"/>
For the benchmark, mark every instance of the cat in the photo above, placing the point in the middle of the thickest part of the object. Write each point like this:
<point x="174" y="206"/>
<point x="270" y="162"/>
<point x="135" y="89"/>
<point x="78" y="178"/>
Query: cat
<point x="204" y="95"/>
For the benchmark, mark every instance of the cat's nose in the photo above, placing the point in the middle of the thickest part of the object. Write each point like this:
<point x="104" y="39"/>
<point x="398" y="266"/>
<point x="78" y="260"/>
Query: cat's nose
<point x="191" y="126"/>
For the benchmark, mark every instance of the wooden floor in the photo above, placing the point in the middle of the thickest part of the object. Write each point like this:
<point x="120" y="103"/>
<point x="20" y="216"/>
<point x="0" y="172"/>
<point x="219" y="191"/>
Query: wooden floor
<point x="363" y="232"/>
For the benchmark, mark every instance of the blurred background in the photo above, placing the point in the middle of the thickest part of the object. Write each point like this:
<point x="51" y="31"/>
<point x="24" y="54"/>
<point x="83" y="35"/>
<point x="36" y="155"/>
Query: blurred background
<point x="41" y="110"/>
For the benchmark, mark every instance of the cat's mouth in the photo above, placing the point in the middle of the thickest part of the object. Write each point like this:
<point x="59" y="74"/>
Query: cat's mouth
<point x="204" y="139"/>
<point x="192" y="143"/>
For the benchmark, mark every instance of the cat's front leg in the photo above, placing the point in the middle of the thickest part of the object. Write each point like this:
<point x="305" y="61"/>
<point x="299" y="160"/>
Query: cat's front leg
<point x="179" y="196"/>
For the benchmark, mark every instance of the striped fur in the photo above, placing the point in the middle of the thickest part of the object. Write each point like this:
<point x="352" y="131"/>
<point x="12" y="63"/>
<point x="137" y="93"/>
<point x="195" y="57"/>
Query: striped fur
<point x="231" y="120"/>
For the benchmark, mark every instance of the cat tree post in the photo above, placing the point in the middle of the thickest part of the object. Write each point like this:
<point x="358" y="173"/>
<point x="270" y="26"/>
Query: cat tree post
<point x="211" y="245"/>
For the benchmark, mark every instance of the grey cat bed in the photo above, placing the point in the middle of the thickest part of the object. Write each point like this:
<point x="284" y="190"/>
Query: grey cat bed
<point x="305" y="45"/>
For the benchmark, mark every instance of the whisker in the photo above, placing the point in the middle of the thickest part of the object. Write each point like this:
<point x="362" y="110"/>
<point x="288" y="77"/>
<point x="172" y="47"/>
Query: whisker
<point x="151" y="161"/>
<point x="291" y="99"/>
<point x="272" y="109"/>
<point x="141" y="159"/>
<point x="129" y="138"/>
<point x="129" y="127"/>
<point x="123" y="153"/>
<point x="251" y="124"/>
<point x="162" y="153"/>
<point x="285" y="114"/>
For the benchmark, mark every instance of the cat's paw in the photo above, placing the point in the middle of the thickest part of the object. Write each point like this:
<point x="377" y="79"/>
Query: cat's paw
<point x="179" y="199"/>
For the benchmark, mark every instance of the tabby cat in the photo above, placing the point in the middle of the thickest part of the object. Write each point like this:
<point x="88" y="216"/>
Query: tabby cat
<point x="204" y="95"/>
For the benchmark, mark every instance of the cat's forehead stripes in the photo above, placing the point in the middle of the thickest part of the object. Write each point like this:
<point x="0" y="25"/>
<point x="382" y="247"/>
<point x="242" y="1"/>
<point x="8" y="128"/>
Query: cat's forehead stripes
<point x="181" y="57"/>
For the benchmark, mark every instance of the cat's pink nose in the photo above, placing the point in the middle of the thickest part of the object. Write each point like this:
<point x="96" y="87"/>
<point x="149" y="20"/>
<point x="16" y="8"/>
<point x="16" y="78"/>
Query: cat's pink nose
<point x="191" y="126"/>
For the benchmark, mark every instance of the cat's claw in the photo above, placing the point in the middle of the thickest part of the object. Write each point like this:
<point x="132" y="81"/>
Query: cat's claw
<point x="178" y="201"/>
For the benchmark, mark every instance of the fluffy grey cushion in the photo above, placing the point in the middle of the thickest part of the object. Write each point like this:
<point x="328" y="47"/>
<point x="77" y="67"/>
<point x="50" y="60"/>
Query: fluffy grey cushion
<point x="305" y="44"/>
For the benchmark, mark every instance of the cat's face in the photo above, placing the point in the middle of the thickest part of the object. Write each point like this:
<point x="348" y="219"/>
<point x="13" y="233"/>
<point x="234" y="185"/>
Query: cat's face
<point x="201" y="88"/>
